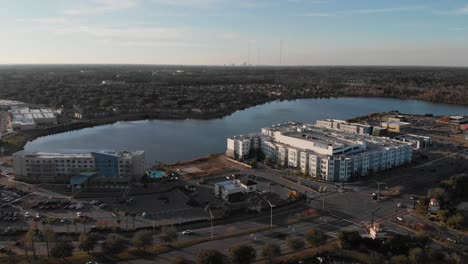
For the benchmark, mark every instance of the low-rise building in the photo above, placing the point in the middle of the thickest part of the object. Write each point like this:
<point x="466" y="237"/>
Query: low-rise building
<point x="24" y="118"/>
<point x="434" y="207"/>
<point x="417" y="141"/>
<point x="234" y="190"/>
<point x="395" y="126"/>
<point x="344" y="126"/>
<point x="60" y="167"/>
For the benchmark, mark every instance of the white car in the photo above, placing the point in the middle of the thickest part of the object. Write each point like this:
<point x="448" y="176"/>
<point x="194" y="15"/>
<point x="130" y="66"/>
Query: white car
<point x="187" y="232"/>
<point x="79" y="214"/>
<point x="144" y="214"/>
<point x="27" y="215"/>
<point x="38" y="215"/>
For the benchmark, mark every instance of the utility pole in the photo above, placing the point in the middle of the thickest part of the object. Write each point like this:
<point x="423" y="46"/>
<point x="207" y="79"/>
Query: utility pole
<point x="281" y="52"/>
<point x="211" y="219"/>
<point x="248" y="53"/>
<point x="258" y="57"/>
<point x="271" y="213"/>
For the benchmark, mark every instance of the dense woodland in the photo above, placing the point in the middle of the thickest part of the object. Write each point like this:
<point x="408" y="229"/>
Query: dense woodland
<point x="184" y="91"/>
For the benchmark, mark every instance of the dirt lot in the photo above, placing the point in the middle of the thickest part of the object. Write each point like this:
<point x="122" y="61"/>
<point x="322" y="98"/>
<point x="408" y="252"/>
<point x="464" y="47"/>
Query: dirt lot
<point x="205" y="167"/>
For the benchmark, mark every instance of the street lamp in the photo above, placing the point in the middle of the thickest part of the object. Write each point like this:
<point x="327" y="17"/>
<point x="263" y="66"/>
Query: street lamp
<point x="211" y="219"/>
<point x="372" y="215"/>
<point x="414" y="201"/>
<point x="378" y="189"/>
<point x="271" y="213"/>
<point x="322" y="191"/>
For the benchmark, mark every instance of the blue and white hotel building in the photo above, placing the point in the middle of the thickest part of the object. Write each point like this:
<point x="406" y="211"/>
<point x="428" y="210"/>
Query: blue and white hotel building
<point x="121" y="166"/>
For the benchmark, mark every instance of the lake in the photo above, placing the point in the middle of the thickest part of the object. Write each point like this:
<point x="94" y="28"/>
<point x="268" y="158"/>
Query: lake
<point x="176" y="140"/>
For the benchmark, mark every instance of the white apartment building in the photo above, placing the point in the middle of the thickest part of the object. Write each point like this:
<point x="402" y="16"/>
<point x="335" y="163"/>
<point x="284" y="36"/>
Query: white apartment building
<point x="327" y="154"/>
<point x="60" y="167"/>
<point x="241" y="146"/>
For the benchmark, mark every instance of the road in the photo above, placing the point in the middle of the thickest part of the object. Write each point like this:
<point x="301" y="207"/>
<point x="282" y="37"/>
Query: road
<point x="329" y="225"/>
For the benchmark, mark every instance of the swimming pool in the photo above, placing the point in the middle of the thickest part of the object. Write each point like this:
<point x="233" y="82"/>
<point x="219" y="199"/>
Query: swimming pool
<point x="157" y="174"/>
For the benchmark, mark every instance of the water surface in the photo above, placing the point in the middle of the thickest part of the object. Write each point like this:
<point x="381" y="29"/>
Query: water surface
<point x="177" y="140"/>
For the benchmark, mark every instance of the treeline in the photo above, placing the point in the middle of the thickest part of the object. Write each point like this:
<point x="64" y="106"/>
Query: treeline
<point x="181" y="91"/>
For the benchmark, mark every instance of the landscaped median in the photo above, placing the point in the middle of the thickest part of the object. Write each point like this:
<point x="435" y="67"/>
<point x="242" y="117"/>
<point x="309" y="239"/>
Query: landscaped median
<point x="304" y="254"/>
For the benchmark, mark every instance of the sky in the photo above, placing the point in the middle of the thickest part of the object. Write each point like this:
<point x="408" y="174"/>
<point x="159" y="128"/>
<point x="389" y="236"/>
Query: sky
<point x="220" y="32"/>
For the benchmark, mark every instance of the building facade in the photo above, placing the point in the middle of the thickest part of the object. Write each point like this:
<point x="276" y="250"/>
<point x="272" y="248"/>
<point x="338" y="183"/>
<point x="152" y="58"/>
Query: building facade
<point x="58" y="167"/>
<point x="326" y="153"/>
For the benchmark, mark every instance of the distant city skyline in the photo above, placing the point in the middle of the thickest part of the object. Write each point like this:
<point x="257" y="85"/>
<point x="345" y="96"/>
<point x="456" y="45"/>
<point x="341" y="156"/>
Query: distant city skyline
<point x="225" y="32"/>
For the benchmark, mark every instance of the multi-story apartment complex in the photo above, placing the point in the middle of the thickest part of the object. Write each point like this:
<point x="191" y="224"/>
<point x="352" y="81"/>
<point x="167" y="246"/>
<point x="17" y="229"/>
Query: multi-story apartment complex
<point x="58" y="167"/>
<point x="241" y="146"/>
<point x="325" y="153"/>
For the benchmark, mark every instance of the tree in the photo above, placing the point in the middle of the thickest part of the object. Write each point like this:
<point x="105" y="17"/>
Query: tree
<point x="210" y="256"/>
<point x="62" y="250"/>
<point x="179" y="260"/>
<point x="114" y="244"/>
<point x="399" y="259"/>
<point x="442" y="215"/>
<point x="30" y="240"/>
<point x="455" y="221"/>
<point x="437" y="193"/>
<point x="87" y="242"/>
<point x="295" y="243"/>
<point x="270" y="251"/>
<point x="421" y="205"/>
<point x="142" y="238"/>
<point x="49" y="236"/>
<point x="416" y="255"/>
<point x="349" y="239"/>
<point x="242" y="254"/>
<point x="168" y="234"/>
<point x="315" y="237"/>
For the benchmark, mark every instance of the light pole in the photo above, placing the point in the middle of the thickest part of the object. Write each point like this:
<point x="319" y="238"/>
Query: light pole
<point x="378" y="189"/>
<point x="414" y="201"/>
<point x="271" y="213"/>
<point x="322" y="192"/>
<point x="211" y="219"/>
<point x="372" y="215"/>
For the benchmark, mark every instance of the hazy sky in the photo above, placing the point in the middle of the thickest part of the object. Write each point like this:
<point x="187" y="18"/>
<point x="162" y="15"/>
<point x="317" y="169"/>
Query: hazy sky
<point x="313" y="32"/>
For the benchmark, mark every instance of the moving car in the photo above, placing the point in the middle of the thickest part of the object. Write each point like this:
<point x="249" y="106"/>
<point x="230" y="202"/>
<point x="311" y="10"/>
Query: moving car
<point x="187" y="232"/>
